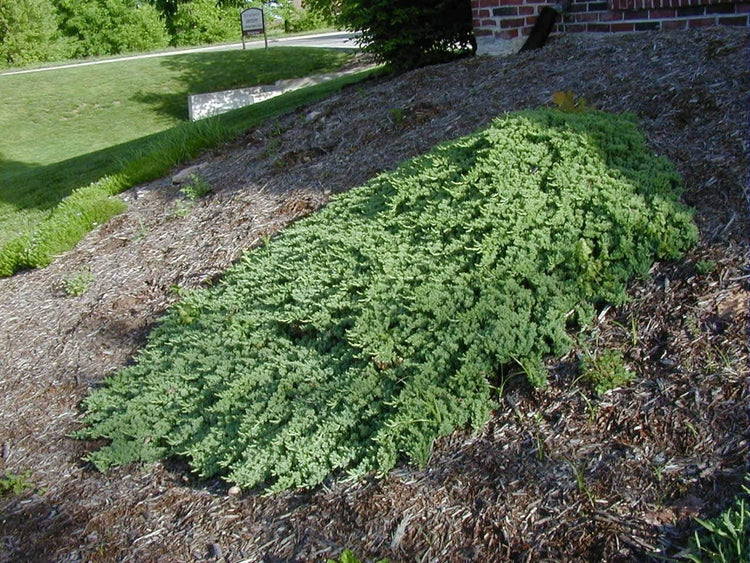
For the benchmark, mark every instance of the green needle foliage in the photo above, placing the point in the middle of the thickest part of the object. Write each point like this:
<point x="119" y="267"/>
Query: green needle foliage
<point x="367" y="330"/>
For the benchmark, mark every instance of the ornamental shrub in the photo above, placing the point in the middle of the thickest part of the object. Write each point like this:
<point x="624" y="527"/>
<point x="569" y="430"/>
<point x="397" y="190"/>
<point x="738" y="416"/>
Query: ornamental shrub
<point x="28" y="33"/>
<point x="202" y="22"/>
<point x="405" y="33"/>
<point x="108" y="27"/>
<point x="365" y="331"/>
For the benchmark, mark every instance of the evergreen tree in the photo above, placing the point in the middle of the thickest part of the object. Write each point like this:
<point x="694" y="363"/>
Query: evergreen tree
<point x="28" y="33"/>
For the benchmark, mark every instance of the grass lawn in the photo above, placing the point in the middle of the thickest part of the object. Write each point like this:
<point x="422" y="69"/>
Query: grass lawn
<point x="59" y="114"/>
<point x="70" y="127"/>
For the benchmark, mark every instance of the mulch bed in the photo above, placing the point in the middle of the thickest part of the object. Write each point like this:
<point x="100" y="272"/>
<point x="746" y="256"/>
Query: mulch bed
<point x="559" y="474"/>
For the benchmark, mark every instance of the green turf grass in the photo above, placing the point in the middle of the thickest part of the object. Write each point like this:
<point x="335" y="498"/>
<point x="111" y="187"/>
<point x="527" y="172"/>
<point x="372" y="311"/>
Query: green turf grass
<point x="135" y="139"/>
<point x="59" y="114"/>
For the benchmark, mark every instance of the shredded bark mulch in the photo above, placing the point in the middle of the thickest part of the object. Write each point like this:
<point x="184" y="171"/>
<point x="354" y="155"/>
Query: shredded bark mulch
<point x="559" y="474"/>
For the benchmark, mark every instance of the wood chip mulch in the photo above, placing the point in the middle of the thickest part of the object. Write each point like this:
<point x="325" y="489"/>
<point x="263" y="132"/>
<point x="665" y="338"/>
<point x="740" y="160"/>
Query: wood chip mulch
<point x="559" y="474"/>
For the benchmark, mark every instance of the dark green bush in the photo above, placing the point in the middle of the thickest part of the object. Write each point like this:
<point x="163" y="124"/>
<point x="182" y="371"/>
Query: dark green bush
<point x="29" y="34"/>
<point x="406" y="33"/>
<point x="107" y="27"/>
<point x="297" y="21"/>
<point x="203" y="21"/>
<point x="367" y="330"/>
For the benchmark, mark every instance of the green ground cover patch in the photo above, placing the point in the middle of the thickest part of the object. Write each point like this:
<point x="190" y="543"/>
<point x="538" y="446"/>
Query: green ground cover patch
<point x="69" y="127"/>
<point x="47" y="210"/>
<point x="364" y="332"/>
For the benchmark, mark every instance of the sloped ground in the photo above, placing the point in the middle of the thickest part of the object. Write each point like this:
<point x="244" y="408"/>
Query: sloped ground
<point x="558" y="474"/>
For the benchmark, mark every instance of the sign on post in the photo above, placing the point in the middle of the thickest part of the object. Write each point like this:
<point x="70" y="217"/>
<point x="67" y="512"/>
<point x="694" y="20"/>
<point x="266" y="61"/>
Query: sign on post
<point x="253" y="23"/>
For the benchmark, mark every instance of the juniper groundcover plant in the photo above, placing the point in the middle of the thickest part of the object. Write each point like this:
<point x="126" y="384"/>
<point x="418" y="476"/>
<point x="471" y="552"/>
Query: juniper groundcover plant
<point x="365" y="331"/>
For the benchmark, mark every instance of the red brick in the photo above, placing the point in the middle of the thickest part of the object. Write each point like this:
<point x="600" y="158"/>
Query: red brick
<point x="526" y="10"/>
<point x="692" y="11"/>
<point x="633" y="15"/>
<point x="674" y="24"/>
<point x="526" y="31"/>
<point x="531" y="21"/>
<point x="622" y="27"/>
<point x="585" y="18"/>
<point x="482" y="14"/>
<point x="598" y="27"/>
<point x="742" y="8"/>
<point x="611" y="16"/>
<point x="661" y="14"/>
<point x="488" y="23"/>
<point x="511" y="22"/>
<point x="733" y="20"/>
<point x="575" y="28"/>
<point x="487" y="3"/>
<point x="720" y="9"/>
<point x="701" y="22"/>
<point x="507" y="34"/>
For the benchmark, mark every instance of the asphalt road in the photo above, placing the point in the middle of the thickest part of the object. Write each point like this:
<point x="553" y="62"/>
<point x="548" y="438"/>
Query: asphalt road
<point x="334" y="40"/>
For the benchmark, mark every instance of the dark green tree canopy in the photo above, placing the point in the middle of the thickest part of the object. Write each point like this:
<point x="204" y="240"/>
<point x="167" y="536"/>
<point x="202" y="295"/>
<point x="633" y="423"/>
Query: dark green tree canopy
<point x="405" y="33"/>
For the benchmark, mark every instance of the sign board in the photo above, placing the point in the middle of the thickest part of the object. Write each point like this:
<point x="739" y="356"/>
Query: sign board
<point x="253" y="23"/>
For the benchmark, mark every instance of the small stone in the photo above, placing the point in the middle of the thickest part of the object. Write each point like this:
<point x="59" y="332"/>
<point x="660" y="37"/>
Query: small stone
<point x="234" y="491"/>
<point x="214" y="551"/>
<point x="312" y="116"/>
<point x="184" y="175"/>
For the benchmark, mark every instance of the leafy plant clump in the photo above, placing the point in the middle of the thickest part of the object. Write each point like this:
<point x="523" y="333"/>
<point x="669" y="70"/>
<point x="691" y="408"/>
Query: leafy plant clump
<point x="11" y="483"/>
<point x="606" y="371"/>
<point x="196" y="188"/>
<point x="348" y="557"/>
<point x="367" y="330"/>
<point x="724" y="538"/>
<point x="77" y="284"/>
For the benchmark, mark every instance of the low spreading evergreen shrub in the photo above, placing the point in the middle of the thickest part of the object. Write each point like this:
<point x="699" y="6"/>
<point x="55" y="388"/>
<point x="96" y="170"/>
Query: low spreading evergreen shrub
<point x="365" y="331"/>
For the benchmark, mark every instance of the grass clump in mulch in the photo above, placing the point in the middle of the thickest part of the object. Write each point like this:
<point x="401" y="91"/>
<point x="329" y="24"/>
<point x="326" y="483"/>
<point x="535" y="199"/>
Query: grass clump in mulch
<point x="371" y="328"/>
<point x="724" y="538"/>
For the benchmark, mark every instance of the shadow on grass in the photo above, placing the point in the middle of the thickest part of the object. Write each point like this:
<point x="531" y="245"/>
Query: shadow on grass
<point x="34" y="186"/>
<point x="202" y="73"/>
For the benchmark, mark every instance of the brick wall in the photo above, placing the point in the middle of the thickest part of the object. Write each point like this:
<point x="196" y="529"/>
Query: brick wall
<point x="503" y="25"/>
